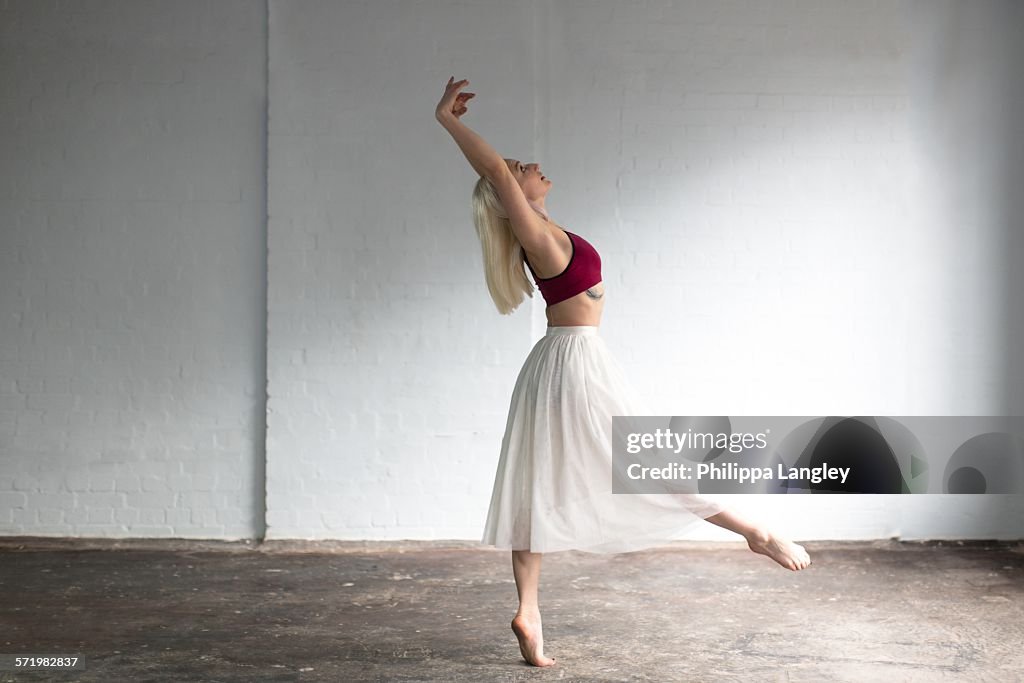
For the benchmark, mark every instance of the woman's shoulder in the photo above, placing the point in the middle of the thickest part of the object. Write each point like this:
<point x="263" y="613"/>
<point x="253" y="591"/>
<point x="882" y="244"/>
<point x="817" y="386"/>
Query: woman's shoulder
<point x="556" y="253"/>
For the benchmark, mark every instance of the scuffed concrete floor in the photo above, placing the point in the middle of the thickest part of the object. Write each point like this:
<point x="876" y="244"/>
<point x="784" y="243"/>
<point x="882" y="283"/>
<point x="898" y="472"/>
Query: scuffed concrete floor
<point x="207" y="611"/>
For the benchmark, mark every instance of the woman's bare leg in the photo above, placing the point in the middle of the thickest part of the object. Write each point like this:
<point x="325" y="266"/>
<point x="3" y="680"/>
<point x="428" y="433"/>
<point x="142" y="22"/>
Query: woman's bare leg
<point x="761" y="540"/>
<point x="526" y="624"/>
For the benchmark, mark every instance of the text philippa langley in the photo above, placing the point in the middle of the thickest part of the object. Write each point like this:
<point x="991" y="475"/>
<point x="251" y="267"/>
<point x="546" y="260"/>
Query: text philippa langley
<point x="732" y="472"/>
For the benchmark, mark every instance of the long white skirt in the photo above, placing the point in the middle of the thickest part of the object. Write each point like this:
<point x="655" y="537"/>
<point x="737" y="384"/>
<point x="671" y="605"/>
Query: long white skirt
<point x="553" y="487"/>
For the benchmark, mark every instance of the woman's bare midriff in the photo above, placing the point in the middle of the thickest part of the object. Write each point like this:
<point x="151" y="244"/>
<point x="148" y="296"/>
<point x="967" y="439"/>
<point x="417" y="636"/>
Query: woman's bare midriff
<point x="583" y="309"/>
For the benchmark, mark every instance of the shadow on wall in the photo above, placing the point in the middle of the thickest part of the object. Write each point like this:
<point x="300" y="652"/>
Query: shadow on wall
<point x="966" y="62"/>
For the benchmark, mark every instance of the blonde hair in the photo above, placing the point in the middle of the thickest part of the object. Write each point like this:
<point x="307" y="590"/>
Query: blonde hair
<point x="502" y="253"/>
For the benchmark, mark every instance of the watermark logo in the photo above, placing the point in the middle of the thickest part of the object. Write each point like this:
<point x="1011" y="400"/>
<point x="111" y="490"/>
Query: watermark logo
<point x="834" y="454"/>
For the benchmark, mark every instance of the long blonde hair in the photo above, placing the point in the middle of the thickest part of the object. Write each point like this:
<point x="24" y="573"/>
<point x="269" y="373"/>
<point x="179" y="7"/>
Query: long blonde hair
<point x="502" y="252"/>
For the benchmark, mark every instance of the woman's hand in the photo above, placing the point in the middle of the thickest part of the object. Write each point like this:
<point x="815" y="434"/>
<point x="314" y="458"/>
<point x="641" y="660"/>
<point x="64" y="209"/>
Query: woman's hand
<point x="453" y="102"/>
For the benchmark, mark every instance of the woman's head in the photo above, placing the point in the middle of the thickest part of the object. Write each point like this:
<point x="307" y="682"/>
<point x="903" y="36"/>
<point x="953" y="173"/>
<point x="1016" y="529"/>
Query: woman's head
<point x="534" y="184"/>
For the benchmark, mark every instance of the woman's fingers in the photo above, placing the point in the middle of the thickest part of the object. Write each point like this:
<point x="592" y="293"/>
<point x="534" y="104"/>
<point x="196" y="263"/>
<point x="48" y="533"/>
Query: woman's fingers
<point x="456" y="99"/>
<point x="455" y="87"/>
<point x="462" y="99"/>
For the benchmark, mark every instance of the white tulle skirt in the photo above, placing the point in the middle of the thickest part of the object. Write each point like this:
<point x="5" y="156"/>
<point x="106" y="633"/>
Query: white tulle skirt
<point x="553" y="486"/>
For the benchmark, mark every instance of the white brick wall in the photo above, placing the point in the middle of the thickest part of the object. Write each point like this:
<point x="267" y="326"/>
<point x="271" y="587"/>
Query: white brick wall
<point x="131" y="284"/>
<point x="798" y="210"/>
<point x="746" y="169"/>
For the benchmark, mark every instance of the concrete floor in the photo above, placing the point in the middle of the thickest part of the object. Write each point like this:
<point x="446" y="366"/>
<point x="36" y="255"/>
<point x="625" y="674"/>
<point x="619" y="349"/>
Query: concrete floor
<point x="207" y="611"/>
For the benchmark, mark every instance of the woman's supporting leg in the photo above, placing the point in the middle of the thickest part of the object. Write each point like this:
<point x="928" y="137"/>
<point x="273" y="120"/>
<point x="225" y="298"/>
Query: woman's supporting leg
<point x="526" y="624"/>
<point x="761" y="540"/>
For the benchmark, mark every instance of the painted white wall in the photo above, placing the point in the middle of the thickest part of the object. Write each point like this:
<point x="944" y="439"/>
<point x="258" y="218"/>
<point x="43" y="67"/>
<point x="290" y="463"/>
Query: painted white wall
<point x="132" y="268"/>
<point x="760" y="178"/>
<point x="802" y="207"/>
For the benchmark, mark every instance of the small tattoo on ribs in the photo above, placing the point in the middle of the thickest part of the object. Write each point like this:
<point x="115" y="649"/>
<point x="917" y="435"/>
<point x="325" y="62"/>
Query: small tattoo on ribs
<point x="593" y="294"/>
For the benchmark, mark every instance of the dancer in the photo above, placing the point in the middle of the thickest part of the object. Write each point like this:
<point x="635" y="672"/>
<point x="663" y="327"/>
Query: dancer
<point x="552" y="490"/>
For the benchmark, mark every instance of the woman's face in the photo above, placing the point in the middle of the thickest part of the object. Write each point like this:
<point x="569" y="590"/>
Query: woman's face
<point x="533" y="182"/>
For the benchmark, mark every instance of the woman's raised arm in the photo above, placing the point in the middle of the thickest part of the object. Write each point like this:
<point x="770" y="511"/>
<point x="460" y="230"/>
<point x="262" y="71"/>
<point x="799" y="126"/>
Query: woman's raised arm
<point x="484" y="159"/>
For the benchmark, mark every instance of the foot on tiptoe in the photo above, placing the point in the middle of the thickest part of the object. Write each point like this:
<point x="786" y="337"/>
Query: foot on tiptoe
<point x="527" y="627"/>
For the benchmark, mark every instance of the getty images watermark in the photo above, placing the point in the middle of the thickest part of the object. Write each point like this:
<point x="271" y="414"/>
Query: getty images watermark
<point x="836" y="454"/>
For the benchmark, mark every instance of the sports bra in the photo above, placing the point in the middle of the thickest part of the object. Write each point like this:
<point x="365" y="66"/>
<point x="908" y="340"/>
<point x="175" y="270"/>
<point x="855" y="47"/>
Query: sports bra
<point x="582" y="272"/>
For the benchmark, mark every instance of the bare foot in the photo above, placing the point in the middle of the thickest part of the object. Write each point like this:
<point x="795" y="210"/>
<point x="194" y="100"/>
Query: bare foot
<point x="790" y="555"/>
<point x="527" y="628"/>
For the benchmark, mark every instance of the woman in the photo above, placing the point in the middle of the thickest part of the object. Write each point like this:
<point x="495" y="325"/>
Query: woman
<point x="552" y="490"/>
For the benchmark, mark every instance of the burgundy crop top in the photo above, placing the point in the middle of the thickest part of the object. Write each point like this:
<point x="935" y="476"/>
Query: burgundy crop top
<point x="582" y="272"/>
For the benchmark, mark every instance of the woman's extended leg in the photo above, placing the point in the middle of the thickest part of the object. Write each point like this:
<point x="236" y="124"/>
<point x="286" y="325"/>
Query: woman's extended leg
<point x="790" y="555"/>
<point x="526" y="624"/>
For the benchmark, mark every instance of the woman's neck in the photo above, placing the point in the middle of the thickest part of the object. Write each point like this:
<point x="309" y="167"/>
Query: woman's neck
<point x="539" y="208"/>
